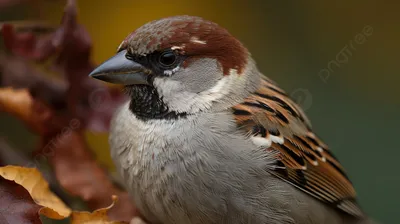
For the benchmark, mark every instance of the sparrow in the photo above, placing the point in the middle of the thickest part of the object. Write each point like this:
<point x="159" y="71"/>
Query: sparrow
<point x="206" y="138"/>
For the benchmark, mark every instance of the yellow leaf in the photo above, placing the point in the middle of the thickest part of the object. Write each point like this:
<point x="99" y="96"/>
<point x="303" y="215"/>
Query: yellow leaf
<point x="15" y="101"/>
<point x="96" y="217"/>
<point x="32" y="180"/>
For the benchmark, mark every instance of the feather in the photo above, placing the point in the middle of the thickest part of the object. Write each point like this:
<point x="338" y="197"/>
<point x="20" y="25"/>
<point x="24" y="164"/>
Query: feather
<point x="271" y="115"/>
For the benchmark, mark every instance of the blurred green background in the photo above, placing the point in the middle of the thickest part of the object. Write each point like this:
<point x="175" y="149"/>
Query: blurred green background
<point x="354" y="107"/>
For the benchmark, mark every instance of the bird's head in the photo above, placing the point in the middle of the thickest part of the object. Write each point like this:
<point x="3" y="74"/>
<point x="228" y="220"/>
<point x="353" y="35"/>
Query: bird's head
<point x="181" y="65"/>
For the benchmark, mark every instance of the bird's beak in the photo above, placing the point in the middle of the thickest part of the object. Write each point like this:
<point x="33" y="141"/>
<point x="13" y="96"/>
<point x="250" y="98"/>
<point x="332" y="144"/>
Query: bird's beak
<point x="120" y="70"/>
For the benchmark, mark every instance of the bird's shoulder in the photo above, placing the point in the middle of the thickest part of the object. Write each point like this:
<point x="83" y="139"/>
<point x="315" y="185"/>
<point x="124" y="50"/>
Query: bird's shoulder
<point x="277" y="123"/>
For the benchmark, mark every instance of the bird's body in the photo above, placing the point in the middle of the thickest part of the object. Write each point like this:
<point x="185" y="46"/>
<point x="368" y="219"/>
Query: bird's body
<point x="206" y="139"/>
<point x="206" y="172"/>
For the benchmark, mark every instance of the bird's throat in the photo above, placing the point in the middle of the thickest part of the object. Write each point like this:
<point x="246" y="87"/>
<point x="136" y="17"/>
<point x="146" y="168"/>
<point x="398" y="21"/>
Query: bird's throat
<point x="146" y="103"/>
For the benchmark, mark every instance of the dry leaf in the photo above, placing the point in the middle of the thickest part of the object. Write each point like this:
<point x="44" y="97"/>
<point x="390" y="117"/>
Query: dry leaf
<point x="60" y="111"/>
<point x="17" y="102"/>
<point x="96" y="217"/>
<point x="32" y="180"/>
<point x="79" y="173"/>
<point x="67" y="52"/>
<point x="17" y="206"/>
<point x="36" y="115"/>
<point x="74" y="165"/>
<point x="25" y="194"/>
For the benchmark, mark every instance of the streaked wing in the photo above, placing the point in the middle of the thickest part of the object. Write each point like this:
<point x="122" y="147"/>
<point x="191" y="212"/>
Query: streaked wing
<point x="276" y="122"/>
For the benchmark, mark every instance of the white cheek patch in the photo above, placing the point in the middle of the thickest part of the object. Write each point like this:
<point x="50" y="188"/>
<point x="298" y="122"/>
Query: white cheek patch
<point x="216" y="91"/>
<point x="183" y="101"/>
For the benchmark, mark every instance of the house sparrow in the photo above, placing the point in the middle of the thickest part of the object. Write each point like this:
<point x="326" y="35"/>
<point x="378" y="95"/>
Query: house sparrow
<point x="207" y="139"/>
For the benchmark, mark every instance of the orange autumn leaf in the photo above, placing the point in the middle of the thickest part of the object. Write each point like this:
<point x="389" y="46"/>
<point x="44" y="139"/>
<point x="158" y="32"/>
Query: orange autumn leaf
<point x="32" y="180"/>
<point x="50" y="205"/>
<point x="16" y="101"/>
<point x="98" y="216"/>
<point x="62" y="109"/>
<point x="92" y="184"/>
<point x="20" y="103"/>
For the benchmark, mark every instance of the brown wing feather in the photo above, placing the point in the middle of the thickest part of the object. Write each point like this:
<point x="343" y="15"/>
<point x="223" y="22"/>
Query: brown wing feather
<point x="308" y="164"/>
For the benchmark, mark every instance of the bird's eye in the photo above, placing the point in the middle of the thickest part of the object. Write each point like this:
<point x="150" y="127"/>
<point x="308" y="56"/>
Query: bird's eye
<point x="167" y="58"/>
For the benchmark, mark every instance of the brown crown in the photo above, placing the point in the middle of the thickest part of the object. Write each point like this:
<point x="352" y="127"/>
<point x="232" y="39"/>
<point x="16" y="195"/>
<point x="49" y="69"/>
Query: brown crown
<point x="191" y="36"/>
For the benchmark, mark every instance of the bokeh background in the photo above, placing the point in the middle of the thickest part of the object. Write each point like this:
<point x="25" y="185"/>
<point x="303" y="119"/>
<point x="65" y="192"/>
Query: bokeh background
<point x="338" y="59"/>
